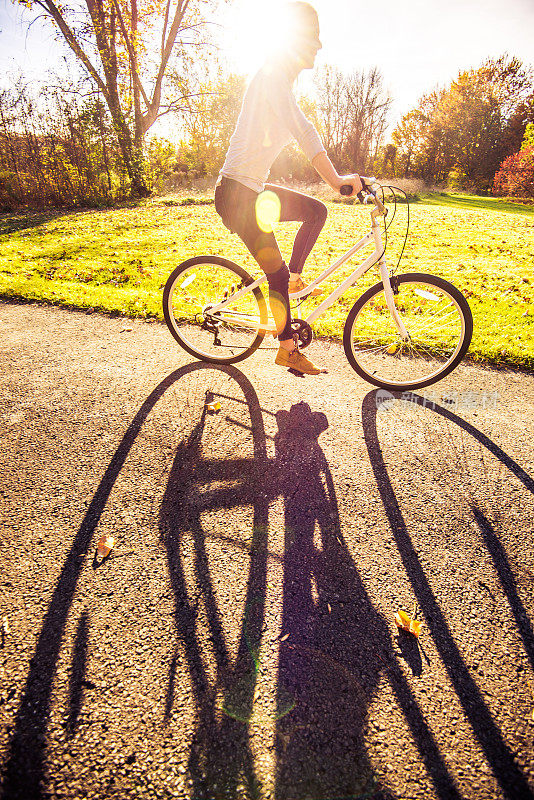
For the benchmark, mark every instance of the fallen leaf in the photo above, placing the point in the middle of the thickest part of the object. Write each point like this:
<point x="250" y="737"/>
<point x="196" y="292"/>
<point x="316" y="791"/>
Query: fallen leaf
<point x="105" y="545"/>
<point x="284" y="637"/>
<point x="214" y="407"/>
<point x="407" y="623"/>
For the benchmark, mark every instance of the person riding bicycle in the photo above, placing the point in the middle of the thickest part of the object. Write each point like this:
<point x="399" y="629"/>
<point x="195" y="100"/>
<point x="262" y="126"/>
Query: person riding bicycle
<point x="268" y="119"/>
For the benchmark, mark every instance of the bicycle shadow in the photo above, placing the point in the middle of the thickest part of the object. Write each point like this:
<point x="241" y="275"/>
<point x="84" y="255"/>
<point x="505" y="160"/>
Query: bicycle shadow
<point x="336" y="646"/>
<point x="333" y="648"/>
<point x="498" y="754"/>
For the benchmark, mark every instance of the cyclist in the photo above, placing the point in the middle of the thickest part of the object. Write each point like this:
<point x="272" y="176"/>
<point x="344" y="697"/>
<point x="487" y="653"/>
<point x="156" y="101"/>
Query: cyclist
<point x="269" y="118"/>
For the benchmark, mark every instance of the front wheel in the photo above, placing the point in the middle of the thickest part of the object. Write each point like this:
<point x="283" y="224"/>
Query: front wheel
<point x="437" y="318"/>
<point x="224" y="337"/>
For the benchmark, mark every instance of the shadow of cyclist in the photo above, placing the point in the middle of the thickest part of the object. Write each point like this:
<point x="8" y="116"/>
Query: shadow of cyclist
<point x="335" y="646"/>
<point x="25" y="775"/>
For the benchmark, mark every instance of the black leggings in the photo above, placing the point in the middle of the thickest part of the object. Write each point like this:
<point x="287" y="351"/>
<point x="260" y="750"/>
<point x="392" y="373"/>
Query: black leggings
<point x="236" y="205"/>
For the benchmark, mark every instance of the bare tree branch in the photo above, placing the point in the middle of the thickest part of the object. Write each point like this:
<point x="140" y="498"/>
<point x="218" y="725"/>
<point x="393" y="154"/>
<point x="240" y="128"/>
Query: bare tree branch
<point x="53" y="11"/>
<point x="152" y="111"/>
<point x="165" y="22"/>
<point x="131" y="54"/>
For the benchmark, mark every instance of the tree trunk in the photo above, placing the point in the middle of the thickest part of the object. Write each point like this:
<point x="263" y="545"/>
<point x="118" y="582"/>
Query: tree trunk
<point x="138" y="114"/>
<point x="104" y="147"/>
<point x="104" y="17"/>
<point x="129" y="152"/>
<point x="105" y="39"/>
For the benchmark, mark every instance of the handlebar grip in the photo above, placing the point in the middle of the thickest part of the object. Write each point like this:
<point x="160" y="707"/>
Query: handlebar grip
<point x="346" y="189"/>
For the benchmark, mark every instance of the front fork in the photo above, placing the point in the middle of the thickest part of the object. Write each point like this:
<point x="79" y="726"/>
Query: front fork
<point x="384" y="275"/>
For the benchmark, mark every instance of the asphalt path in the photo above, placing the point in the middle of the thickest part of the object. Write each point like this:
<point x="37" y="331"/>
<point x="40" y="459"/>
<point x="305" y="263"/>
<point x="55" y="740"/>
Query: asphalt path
<point x="240" y="641"/>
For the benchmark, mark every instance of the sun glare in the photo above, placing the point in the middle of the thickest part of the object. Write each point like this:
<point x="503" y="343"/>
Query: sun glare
<point x="268" y="208"/>
<point x="253" y="30"/>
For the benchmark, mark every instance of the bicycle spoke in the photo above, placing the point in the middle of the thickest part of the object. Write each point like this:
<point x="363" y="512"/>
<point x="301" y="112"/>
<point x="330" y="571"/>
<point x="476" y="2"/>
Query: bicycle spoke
<point x="436" y="333"/>
<point x="381" y="347"/>
<point x="220" y="336"/>
<point x="421" y="329"/>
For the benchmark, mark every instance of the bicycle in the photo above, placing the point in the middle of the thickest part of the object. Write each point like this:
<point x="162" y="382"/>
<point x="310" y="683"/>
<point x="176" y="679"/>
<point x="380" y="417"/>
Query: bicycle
<point x="405" y="332"/>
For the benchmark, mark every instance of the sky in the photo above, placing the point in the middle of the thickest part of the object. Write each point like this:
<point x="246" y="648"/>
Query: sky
<point x="417" y="44"/>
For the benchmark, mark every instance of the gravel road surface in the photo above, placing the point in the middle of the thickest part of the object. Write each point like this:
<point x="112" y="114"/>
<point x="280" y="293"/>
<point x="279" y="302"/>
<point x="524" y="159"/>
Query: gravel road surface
<point x="240" y="641"/>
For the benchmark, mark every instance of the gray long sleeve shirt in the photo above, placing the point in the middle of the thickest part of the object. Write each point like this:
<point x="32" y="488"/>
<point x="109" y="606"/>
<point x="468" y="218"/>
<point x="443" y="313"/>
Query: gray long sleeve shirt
<point x="268" y="120"/>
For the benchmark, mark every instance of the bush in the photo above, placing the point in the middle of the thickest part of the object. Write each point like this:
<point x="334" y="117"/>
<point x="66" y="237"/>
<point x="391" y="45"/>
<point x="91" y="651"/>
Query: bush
<point x="161" y="159"/>
<point x="516" y="175"/>
<point x="57" y="153"/>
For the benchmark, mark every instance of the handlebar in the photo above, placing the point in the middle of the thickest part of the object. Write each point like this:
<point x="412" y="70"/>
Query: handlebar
<point x="346" y="190"/>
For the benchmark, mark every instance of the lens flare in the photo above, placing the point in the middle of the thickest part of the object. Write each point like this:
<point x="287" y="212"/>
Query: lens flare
<point x="269" y="257"/>
<point x="267" y="211"/>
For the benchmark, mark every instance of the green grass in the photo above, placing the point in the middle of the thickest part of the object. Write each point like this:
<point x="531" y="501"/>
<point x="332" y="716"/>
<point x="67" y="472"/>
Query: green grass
<point x="474" y="202"/>
<point x="117" y="260"/>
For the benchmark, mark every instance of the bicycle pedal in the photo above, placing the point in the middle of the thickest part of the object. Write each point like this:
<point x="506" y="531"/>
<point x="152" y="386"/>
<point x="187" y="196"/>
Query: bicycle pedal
<point x="296" y="372"/>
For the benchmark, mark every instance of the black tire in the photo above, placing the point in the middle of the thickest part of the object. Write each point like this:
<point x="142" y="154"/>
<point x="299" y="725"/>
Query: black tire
<point x="377" y="346"/>
<point x="179" y="327"/>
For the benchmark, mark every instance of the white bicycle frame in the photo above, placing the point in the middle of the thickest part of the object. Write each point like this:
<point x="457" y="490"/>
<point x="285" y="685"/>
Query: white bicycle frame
<point x="376" y="256"/>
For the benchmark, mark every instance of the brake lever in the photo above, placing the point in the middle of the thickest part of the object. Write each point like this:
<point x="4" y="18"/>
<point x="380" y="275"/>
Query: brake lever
<point x="346" y="190"/>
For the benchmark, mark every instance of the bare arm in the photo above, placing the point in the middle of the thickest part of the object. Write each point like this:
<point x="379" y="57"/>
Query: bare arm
<point x="329" y="174"/>
<point x="327" y="171"/>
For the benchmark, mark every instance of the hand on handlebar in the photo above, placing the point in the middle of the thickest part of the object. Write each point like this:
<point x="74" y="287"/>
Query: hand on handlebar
<point x="367" y="191"/>
<point x="353" y="181"/>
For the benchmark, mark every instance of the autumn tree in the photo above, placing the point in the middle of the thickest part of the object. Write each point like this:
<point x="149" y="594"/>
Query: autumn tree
<point x="208" y="118"/>
<point x="407" y="137"/>
<point x="515" y="176"/>
<point x="125" y="47"/>
<point x="466" y="127"/>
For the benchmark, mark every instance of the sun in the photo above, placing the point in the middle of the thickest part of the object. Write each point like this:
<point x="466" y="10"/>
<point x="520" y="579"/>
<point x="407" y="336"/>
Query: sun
<point x="253" y="30"/>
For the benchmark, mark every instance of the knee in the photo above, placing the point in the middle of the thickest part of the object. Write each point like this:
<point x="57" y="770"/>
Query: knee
<point x="321" y="213"/>
<point x="279" y="281"/>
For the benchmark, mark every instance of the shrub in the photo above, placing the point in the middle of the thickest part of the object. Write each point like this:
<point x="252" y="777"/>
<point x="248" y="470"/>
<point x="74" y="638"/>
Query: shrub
<point x="516" y="175"/>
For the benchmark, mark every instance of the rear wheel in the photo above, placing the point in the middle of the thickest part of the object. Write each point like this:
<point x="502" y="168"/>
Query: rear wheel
<point x="224" y="337"/>
<point x="439" y="323"/>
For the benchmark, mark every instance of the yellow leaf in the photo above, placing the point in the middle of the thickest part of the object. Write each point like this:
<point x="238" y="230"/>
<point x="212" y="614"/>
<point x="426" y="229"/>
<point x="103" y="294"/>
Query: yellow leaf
<point x="407" y="623"/>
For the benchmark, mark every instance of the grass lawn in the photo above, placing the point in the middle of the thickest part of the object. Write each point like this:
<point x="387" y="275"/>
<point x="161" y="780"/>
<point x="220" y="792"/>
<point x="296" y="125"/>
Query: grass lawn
<point x="118" y="260"/>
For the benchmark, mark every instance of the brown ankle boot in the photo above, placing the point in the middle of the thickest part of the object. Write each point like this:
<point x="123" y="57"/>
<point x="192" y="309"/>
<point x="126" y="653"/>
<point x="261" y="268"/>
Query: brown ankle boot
<point x="295" y="360"/>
